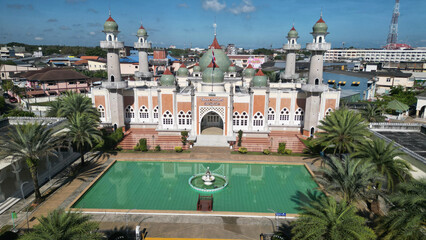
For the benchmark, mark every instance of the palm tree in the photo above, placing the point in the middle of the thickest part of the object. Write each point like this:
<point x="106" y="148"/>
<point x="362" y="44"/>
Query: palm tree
<point x="406" y="218"/>
<point x="31" y="142"/>
<point x="386" y="159"/>
<point x="61" y="225"/>
<point x="54" y="108"/>
<point x="352" y="179"/>
<point x="328" y="219"/>
<point x="373" y="113"/>
<point x="342" y="130"/>
<point x="82" y="131"/>
<point x="77" y="103"/>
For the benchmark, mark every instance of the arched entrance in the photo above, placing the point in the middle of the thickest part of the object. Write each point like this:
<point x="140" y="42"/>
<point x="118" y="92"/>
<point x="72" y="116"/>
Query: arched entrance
<point x="212" y="124"/>
<point x="422" y="113"/>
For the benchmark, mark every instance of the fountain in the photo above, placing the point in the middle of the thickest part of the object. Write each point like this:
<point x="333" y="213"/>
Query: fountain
<point x="208" y="182"/>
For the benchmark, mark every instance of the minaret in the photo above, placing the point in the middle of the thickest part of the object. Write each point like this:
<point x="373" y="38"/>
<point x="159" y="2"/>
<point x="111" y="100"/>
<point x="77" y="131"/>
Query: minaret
<point x="291" y="47"/>
<point x="315" y="87"/>
<point x="143" y="45"/>
<point x="114" y="84"/>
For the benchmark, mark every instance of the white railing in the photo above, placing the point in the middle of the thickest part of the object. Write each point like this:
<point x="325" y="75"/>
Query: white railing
<point x="292" y="46"/>
<point x="142" y="45"/>
<point x="318" y="46"/>
<point x="395" y="126"/>
<point x="112" y="44"/>
<point x="114" y="85"/>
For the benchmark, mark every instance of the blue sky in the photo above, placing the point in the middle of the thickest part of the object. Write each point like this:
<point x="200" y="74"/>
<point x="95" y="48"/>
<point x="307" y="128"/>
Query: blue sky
<point x="184" y="23"/>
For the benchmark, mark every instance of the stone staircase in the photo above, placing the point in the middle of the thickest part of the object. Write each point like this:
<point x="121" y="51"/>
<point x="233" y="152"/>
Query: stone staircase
<point x="133" y="135"/>
<point x="292" y="140"/>
<point x="255" y="144"/>
<point x="211" y="141"/>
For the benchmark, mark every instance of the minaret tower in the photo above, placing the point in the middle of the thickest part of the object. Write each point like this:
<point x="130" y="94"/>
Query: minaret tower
<point x="291" y="47"/>
<point x="315" y="87"/>
<point x="143" y="45"/>
<point x="114" y="84"/>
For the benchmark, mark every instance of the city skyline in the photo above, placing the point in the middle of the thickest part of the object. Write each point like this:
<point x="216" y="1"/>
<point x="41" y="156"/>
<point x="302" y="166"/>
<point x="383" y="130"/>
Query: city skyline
<point x="245" y="23"/>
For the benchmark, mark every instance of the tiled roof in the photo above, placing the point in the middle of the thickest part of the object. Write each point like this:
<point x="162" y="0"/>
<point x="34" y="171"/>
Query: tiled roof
<point x="54" y="74"/>
<point x="320" y="20"/>
<point x="167" y="72"/>
<point x="211" y="65"/>
<point x="260" y="73"/>
<point x="110" y="19"/>
<point x="215" y="44"/>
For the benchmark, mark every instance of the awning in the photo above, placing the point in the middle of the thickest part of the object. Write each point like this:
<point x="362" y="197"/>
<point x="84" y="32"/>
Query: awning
<point x="397" y="106"/>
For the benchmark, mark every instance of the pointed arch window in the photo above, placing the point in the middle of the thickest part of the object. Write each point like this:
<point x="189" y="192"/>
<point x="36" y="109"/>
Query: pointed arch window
<point x="143" y="113"/>
<point x="101" y="111"/>
<point x="284" y="115"/>
<point x="167" y="118"/>
<point x="298" y="116"/>
<point x="271" y="114"/>
<point x="130" y="113"/>
<point x="328" y="112"/>
<point x="258" y="119"/>
<point x="184" y="118"/>
<point x="155" y="111"/>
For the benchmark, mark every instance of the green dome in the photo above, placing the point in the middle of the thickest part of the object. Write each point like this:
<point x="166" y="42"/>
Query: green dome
<point x="213" y="76"/>
<point x="293" y="33"/>
<point x="259" y="80"/>
<point x="110" y="25"/>
<point x="183" y="71"/>
<point x="232" y="68"/>
<point x="167" y="79"/>
<point x="142" y="32"/>
<point x="249" y="71"/>
<point x="197" y="68"/>
<point x="222" y="59"/>
<point x="320" y="27"/>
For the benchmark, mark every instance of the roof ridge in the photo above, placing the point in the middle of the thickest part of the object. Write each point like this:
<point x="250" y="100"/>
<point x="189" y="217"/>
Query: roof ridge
<point x="167" y="72"/>
<point x="259" y="73"/>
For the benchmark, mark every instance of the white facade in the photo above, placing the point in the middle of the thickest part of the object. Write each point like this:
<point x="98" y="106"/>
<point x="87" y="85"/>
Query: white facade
<point x="375" y="55"/>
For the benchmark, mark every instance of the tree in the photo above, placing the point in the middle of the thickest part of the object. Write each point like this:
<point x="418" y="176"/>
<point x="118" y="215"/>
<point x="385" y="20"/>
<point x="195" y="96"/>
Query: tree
<point x="61" y="225"/>
<point x="77" y="103"/>
<point x="7" y="85"/>
<point x="385" y="158"/>
<point x="2" y="105"/>
<point x="19" y="113"/>
<point x="328" y="219"/>
<point x="342" y="131"/>
<point x="407" y="216"/>
<point x="352" y="179"/>
<point x="82" y="131"/>
<point x="54" y="108"/>
<point x="31" y="142"/>
<point x="373" y="113"/>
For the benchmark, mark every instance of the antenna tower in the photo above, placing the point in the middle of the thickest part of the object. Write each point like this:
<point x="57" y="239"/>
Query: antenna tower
<point x="393" y="30"/>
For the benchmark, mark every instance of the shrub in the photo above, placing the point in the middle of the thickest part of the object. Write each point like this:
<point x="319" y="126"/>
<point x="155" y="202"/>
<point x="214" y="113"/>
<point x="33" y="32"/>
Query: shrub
<point x="266" y="151"/>
<point x="119" y="148"/>
<point x="288" y="151"/>
<point x="157" y="148"/>
<point x="178" y="149"/>
<point x="240" y="137"/>
<point x="281" y="148"/>
<point x="142" y="145"/>
<point x="137" y="147"/>
<point x="242" y="150"/>
<point x="184" y="137"/>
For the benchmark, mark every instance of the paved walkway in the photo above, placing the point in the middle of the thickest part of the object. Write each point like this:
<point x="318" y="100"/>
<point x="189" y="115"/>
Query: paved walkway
<point x="165" y="226"/>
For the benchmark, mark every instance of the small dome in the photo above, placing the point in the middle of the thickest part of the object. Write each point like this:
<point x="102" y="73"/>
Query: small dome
<point x="142" y="32"/>
<point x="110" y="25"/>
<point x="320" y="27"/>
<point x="183" y="71"/>
<point x="167" y="79"/>
<point x="222" y="59"/>
<point x="232" y="68"/>
<point x="197" y="68"/>
<point x="259" y="80"/>
<point x="211" y="75"/>
<point x="293" y="33"/>
<point x="249" y="71"/>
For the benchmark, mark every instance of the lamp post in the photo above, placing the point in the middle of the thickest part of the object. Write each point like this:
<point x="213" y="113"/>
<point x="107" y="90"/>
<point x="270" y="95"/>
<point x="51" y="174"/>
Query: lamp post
<point x="276" y="220"/>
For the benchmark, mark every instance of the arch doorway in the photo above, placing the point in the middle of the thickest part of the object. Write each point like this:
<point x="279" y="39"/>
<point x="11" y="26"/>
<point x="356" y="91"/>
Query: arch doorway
<point x="312" y="132"/>
<point x="212" y="124"/>
<point x="422" y="113"/>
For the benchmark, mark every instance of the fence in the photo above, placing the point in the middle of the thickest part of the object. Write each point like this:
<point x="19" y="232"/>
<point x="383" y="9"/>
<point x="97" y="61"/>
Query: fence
<point x="412" y="127"/>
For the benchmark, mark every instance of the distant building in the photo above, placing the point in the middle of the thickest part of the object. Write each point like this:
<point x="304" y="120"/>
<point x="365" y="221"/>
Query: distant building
<point x="6" y="52"/>
<point x="8" y="71"/>
<point x="62" y="61"/>
<point x="245" y="60"/>
<point x="387" y="79"/>
<point x="407" y="66"/>
<point x="367" y="55"/>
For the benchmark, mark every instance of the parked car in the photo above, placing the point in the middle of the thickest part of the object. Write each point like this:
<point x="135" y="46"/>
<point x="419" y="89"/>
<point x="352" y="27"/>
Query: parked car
<point x="13" y="100"/>
<point x="6" y="95"/>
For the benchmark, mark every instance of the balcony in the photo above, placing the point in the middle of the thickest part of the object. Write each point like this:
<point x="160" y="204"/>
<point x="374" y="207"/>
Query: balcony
<point x="144" y="75"/>
<point x="318" y="46"/>
<point x="139" y="45"/>
<point x="113" y="45"/>
<point x="114" y="85"/>
<point x="314" y="88"/>
<point x="291" y="46"/>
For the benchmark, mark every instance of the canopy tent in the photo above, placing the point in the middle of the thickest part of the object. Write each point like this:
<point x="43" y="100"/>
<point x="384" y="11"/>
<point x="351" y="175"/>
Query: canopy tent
<point x="397" y="106"/>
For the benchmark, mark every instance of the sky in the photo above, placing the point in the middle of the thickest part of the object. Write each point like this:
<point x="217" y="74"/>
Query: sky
<point x="189" y="23"/>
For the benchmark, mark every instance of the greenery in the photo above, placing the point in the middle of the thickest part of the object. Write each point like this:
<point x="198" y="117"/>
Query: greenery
<point x="263" y="51"/>
<point x="94" y="74"/>
<point x="240" y="137"/>
<point x="31" y="143"/>
<point x="351" y="179"/>
<point x="7" y="62"/>
<point x="157" y="148"/>
<point x="281" y="148"/>
<point x="407" y="215"/>
<point x="342" y="131"/>
<point x="109" y="141"/>
<point x="61" y="225"/>
<point x="142" y="145"/>
<point x="68" y="50"/>
<point x="401" y="94"/>
<point x="178" y="149"/>
<point x="242" y="150"/>
<point x="19" y="113"/>
<point x="184" y="137"/>
<point x="325" y="218"/>
<point x="288" y="151"/>
<point x="266" y="151"/>
<point x="373" y="113"/>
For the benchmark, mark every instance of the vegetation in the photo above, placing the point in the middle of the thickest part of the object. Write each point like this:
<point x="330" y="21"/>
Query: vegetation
<point x="94" y="74"/>
<point x="31" y="143"/>
<point x="184" y="137"/>
<point x="178" y="149"/>
<point x="19" y="113"/>
<point x="373" y="113"/>
<point x="240" y="137"/>
<point x="61" y="225"/>
<point x="242" y="150"/>
<point x="288" y="151"/>
<point x="56" y="49"/>
<point x="342" y="131"/>
<point x="7" y="62"/>
<point x="407" y="215"/>
<point x="109" y="140"/>
<point x="142" y="145"/>
<point x="263" y="51"/>
<point x="157" y="148"/>
<point x="281" y="148"/>
<point x="266" y="151"/>
<point x="325" y="218"/>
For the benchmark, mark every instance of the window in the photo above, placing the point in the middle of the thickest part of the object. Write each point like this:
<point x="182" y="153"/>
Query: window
<point x="51" y="83"/>
<point x="101" y="111"/>
<point x="316" y="81"/>
<point x="71" y="83"/>
<point x="271" y="114"/>
<point x="129" y="112"/>
<point x="328" y="111"/>
<point x="82" y="82"/>
<point x="112" y="78"/>
<point x="258" y="120"/>
<point x="184" y="118"/>
<point x="155" y="112"/>
<point x="167" y="118"/>
<point x="388" y="79"/>
<point x="284" y="115"/>
<point x="143" y="113"/>
<point x="240" y="119"/>
<point x="298" y="116"/>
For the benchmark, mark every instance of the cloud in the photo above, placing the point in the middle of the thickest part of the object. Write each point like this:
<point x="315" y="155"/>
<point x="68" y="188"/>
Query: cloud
<point x="38" y="38"/>
<point x="20" y="6"/>
<point x="52" y="20"/>
<point x="92" y="10"/>
<point x="246" y="6"/>
<point x="64" y="28"/>
<point x="74" y="1"/>
<point x="183" y="5"/>
<point x="213" y="5"/>
<point x="92" y="33"/>
<point x="94" y="24"/>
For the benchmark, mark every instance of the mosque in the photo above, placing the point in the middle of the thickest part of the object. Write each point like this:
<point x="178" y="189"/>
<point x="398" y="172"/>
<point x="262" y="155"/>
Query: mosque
<point x="214" y="98"/>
